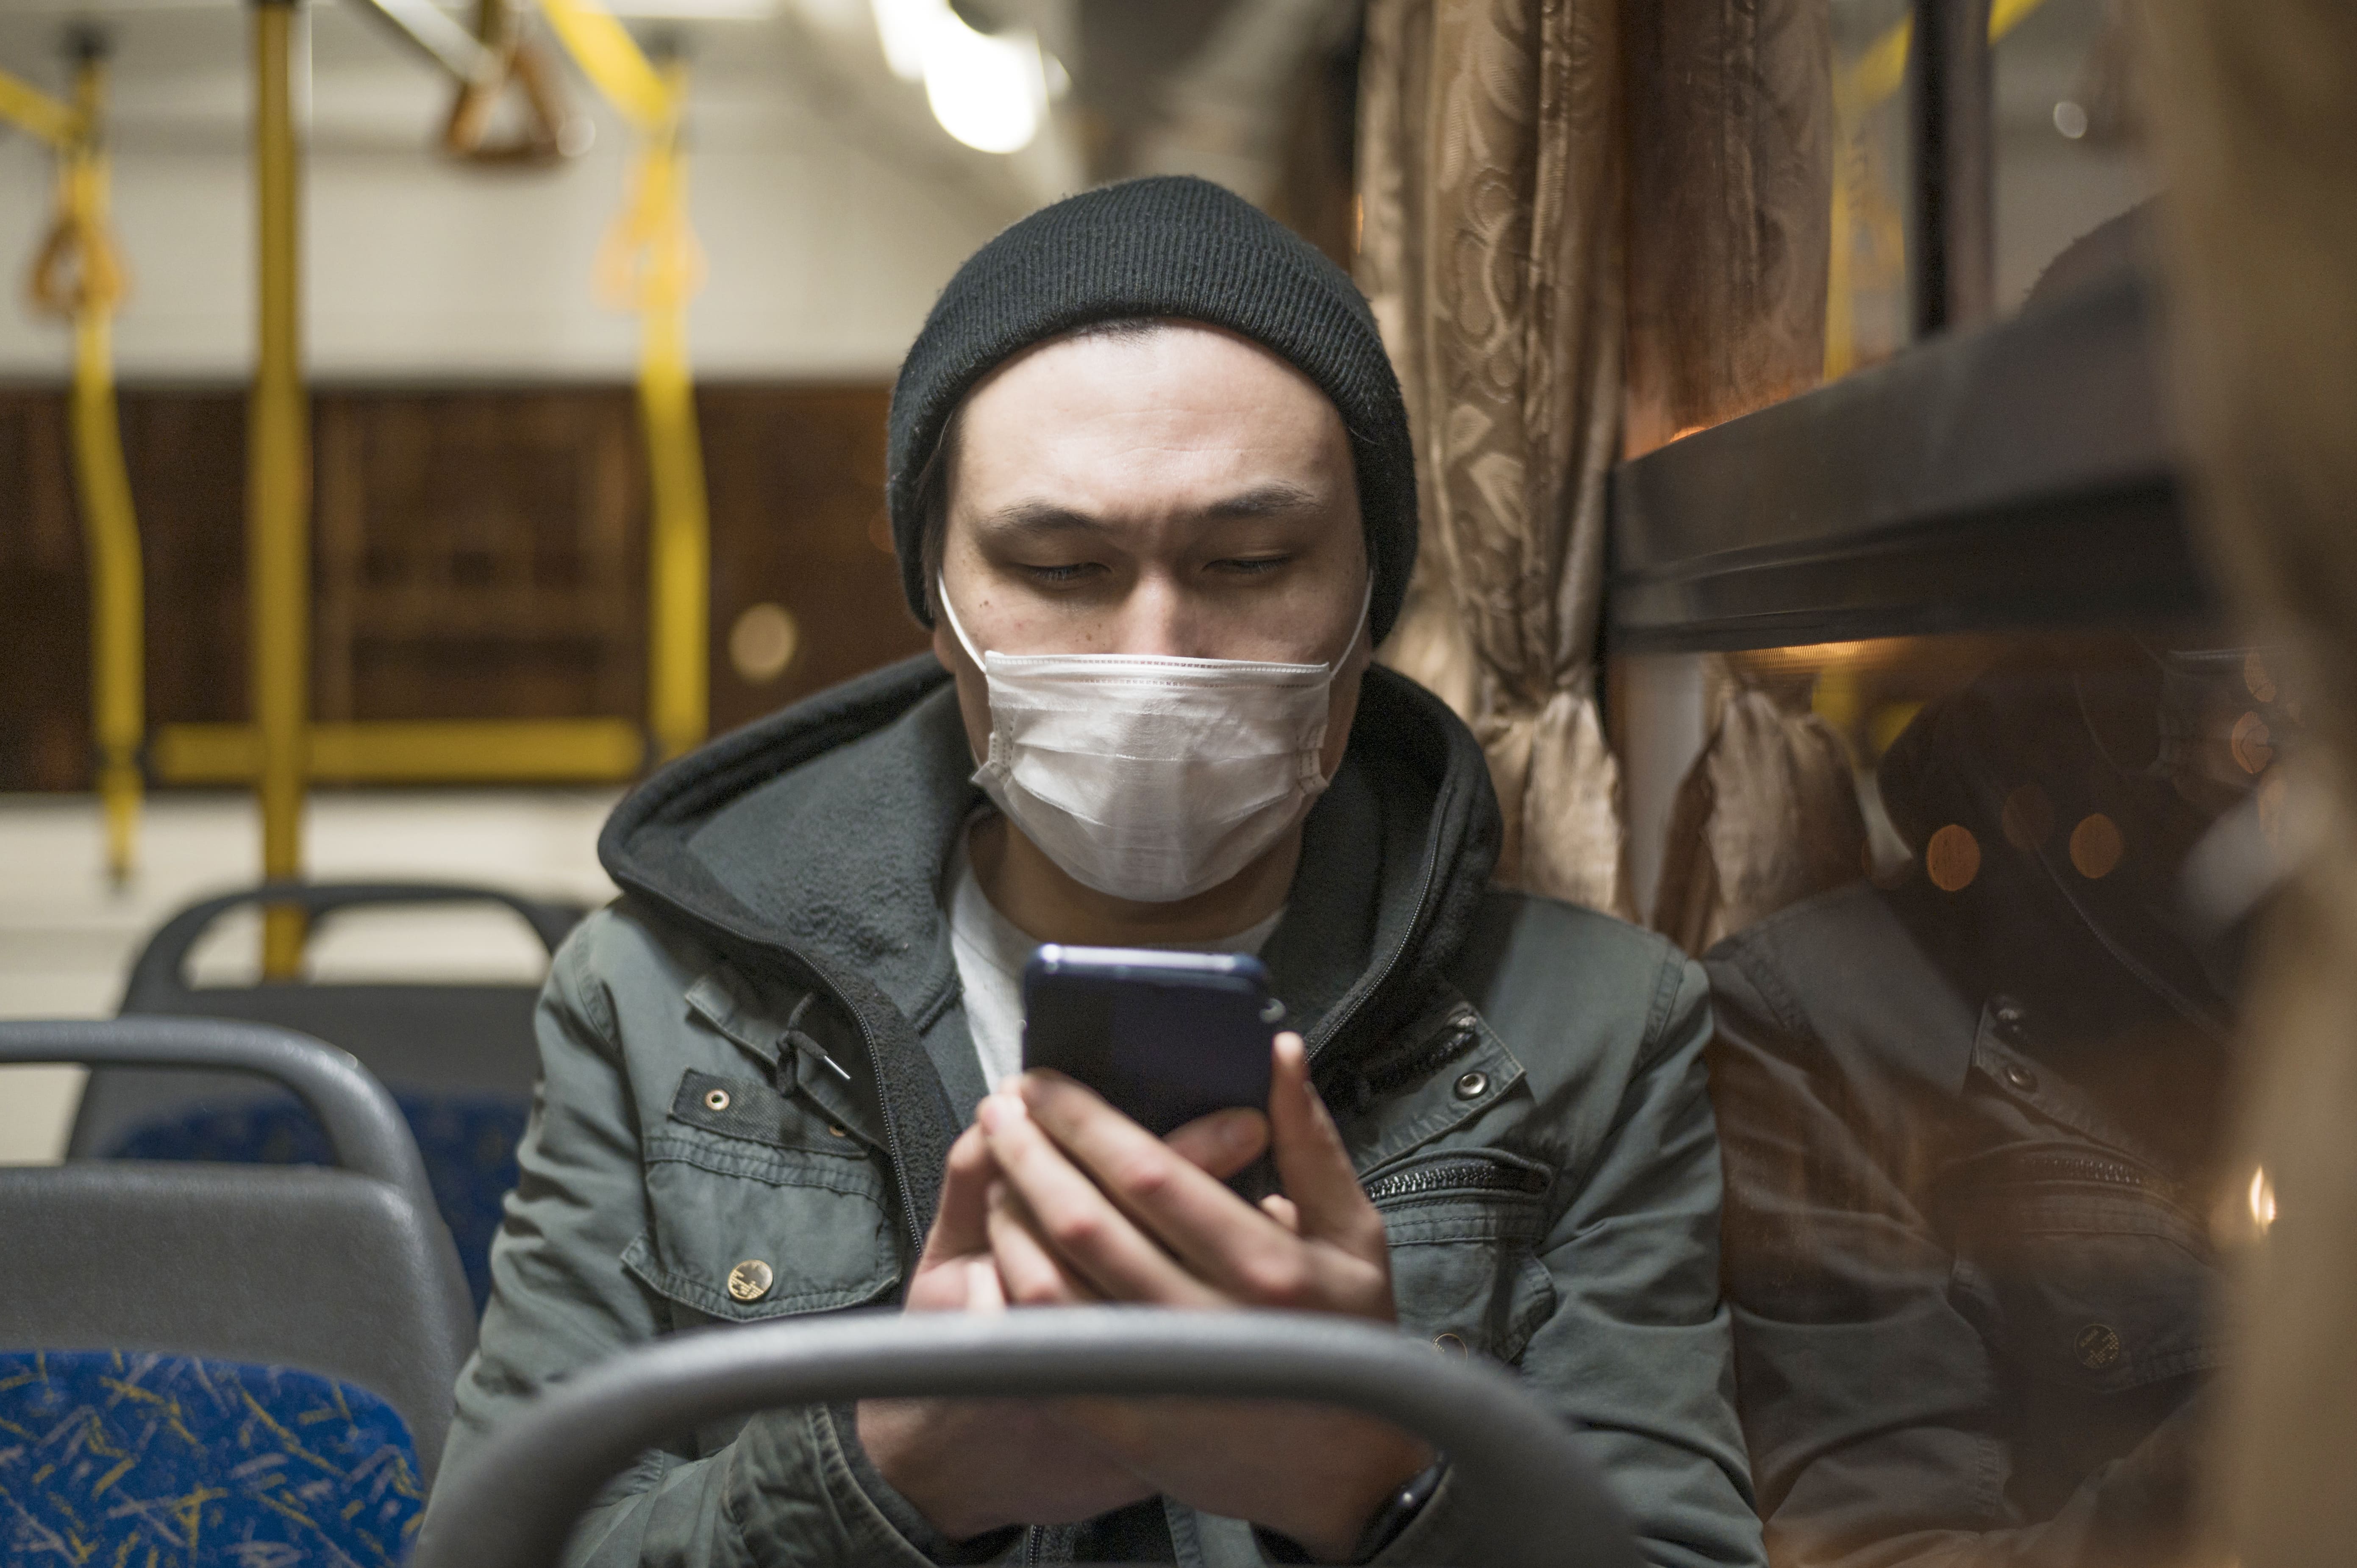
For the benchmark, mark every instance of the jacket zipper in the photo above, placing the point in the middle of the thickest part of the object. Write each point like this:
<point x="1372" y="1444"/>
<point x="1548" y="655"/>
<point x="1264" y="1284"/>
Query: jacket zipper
<point x="910" y="1220"/>
<point x="1455" y="1175"/>
<point x="2085" y="1167"/>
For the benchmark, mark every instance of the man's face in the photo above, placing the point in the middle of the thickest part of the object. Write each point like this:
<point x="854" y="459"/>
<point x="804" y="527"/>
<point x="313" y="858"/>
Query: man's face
<point x="1183" y="491"/>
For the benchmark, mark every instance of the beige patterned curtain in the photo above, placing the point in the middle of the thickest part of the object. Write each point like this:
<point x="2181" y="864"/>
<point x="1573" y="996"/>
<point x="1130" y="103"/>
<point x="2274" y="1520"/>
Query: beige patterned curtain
<point x="2256" y="119"/>
<point x="1731" y="196"/>
<point x="1767" y="816"/>
<point x="1491" y="190"/>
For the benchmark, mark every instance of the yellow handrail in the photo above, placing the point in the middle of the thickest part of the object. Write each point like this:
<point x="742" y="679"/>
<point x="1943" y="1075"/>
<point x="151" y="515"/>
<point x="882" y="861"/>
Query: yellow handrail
<point x="78" y="275"/>
<point x="649" y="262"/>
<point x="278" y="488"/>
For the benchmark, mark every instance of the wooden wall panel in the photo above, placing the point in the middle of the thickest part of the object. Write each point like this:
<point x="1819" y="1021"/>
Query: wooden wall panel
<point x="44" y="620"/>
<point x="798" y="521"/>
<point x="478" y="554"/>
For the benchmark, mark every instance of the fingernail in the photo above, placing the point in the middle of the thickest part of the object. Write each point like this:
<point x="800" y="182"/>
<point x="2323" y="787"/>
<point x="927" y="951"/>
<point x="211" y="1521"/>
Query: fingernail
<point x="991" y="1113"/>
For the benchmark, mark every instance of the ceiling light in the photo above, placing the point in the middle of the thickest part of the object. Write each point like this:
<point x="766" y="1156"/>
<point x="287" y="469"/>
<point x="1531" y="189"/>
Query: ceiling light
<point x="988" y="89"/>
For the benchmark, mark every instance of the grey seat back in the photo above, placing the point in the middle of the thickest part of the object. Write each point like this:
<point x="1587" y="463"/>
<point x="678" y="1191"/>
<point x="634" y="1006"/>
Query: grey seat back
<point x="1530" y="1494"/>
<point x="464" y="1039"/>
<point x="346" y="1272"/>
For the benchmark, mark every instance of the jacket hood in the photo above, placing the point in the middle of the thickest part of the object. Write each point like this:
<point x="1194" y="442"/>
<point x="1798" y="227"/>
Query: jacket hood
<point x="810" y="845"/>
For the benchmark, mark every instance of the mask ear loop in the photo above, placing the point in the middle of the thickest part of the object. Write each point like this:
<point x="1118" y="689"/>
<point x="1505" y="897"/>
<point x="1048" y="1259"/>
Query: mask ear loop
<point x="1366" y="609"/>
<point x="949" y="611"/>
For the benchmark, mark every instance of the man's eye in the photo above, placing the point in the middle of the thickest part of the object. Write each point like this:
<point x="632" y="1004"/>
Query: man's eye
<point x="1060" y="574"/>
<point x="1251" y="565"/>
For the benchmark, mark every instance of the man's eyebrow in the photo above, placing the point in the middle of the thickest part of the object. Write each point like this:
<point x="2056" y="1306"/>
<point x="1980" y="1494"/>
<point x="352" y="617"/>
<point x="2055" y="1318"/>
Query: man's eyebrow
<point x="1037" y="517"/>
<point x="1040" y="517"/>
<point x="1270" y="499"/>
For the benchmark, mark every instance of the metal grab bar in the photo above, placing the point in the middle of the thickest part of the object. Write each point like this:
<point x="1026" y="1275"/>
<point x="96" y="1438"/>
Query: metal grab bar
<point x="160" y="971"/>
<point x="364" y="1127"/>
<point x="1530" y="1496"/>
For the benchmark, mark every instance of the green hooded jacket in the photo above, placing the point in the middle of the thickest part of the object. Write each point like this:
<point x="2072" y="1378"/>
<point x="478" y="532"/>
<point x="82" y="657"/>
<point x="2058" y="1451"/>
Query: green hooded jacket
<point x="1520" y="1082"/>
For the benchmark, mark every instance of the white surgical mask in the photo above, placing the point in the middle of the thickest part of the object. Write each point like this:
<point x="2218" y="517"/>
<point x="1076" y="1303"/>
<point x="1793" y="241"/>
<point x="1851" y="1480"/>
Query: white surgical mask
<point x="1152" y="777"/>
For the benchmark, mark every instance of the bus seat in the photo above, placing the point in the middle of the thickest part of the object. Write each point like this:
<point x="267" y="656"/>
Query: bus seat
<point x="114" y="1458"/>
<point x="343" y="1276"/>
<point x="459" y="1059"/>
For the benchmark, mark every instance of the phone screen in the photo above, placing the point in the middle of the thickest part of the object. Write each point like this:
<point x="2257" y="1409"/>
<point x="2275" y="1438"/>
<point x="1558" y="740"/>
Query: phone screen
<point x="1164" y="1036"/>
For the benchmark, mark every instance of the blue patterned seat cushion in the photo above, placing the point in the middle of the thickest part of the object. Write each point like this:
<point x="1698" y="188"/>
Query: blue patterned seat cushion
<point x="468" y="1143"/>
<point x="116" y="1460"/>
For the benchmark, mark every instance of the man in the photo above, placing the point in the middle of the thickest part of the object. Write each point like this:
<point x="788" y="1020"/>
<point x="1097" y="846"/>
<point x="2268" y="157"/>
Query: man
<point x="1151" y="486"/>
<point x="1975" y="1135"/>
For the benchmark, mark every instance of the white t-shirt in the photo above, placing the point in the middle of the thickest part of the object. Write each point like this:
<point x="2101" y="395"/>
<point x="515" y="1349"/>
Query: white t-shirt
<point x="991" y="951"/>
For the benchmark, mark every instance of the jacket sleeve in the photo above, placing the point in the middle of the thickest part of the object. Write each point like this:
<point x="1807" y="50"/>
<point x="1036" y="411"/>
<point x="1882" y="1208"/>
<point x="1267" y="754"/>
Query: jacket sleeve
<point x="1870" y="1403"/>
<point x="782" y="1491"/>
<point x="1637" y="1354"/>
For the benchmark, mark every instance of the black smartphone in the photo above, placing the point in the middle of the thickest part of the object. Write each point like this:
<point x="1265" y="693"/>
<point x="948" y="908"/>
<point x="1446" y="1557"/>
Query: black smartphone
<point x="1164" y="1036"/>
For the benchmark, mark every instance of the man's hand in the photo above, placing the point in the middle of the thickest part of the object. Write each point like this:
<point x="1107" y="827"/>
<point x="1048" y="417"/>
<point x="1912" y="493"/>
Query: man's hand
<point x="973" y="1466"/>
<point x="1093" y="1207"/>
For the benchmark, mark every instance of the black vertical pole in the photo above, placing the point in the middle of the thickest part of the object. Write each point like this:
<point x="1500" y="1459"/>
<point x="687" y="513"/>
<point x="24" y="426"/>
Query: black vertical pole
<point x="1954" y="157"/>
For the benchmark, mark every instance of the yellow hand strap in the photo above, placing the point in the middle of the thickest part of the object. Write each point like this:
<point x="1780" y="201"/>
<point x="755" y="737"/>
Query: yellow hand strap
<point x="78" y="273"/>
<point x="77" y="267"/>
<point x="648" y="262"/>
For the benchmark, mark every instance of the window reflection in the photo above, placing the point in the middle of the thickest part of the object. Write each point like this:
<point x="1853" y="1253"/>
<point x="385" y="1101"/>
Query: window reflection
<point x="1866" y="314"/>
<point x="1971" y="1104"/>
<point x="2069" y="146"/>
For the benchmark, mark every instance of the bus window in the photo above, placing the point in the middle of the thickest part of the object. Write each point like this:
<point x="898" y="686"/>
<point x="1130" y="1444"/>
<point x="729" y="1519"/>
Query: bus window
<point x="2068" y="138"/>
<point x="1980" y="1197"/>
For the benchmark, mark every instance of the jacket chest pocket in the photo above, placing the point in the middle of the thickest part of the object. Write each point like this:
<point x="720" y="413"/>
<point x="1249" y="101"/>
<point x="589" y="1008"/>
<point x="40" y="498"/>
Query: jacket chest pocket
<point x="1464" y="1226"/>
<point x="761" y="1207"/>
<point x="2092" y="1277"/>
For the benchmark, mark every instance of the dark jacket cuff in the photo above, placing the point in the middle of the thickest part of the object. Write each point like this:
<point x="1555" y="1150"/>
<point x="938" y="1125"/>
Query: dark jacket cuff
<point x="899" y="1512"/>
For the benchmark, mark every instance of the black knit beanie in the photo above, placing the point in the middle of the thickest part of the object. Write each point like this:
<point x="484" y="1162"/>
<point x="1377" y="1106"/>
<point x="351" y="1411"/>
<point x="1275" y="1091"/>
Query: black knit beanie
<point x="1168" y="245"/>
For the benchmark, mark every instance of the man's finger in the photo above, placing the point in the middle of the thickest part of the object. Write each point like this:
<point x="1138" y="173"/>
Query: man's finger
<point x="1221" y="1239"/>
<point x="1078" y="1223"/>
<point x="984" y="1291"/>
<point x="1032" y="1275"/>
<point x="1223" y="1142"/>
<point x="1280" y="1208"/>
<point x="1311" y="1162"/>
<point x="959" y="1226"/>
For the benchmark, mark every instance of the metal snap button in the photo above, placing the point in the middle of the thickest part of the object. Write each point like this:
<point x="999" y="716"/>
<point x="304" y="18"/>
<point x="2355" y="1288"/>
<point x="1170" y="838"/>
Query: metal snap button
<point x="2009" y="1017"/>
<point x="716" y="1099"/>
<point x="835" y="1132"/>
<point x="1473" y="1085"/>
<point x="2021" y="1076"/>
<point x="2098" y="1346"/>
<point x="1448" y="1344"/>
<point x="750" y="1279"/>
